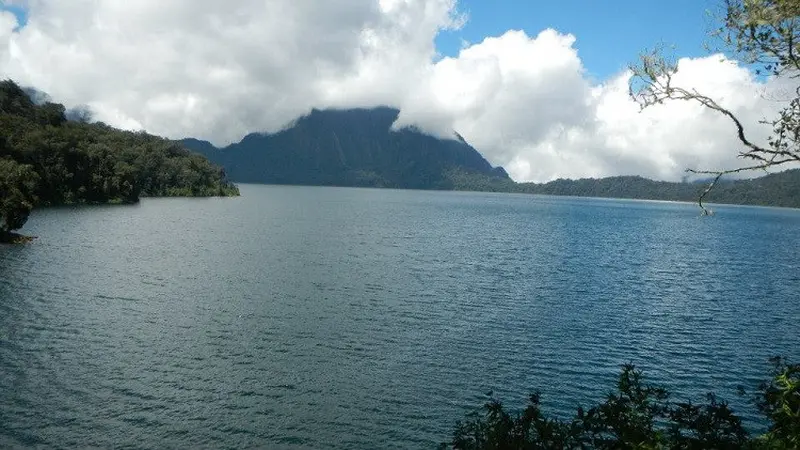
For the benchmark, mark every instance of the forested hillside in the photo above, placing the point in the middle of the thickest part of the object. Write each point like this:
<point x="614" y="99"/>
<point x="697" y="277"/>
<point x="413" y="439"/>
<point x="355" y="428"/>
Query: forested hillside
<point x="778" y="189"/>
<point x="47" y="160"/>
<point x="358" y="148"/>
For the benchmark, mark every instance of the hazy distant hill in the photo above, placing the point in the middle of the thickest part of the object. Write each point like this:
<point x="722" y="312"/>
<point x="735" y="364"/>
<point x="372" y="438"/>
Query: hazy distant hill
<point x="355" y="148"/>
<point x="778" y="189"/>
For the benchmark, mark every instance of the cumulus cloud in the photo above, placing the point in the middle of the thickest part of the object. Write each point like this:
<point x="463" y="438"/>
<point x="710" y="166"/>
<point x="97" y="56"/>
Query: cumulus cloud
<point x="218" y="70"/>
<point x="194" y="67"/>
<point x="527" y="103"/>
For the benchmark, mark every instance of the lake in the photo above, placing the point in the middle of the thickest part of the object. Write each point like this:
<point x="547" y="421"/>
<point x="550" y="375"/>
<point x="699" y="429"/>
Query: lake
<point x="311" y="317"/>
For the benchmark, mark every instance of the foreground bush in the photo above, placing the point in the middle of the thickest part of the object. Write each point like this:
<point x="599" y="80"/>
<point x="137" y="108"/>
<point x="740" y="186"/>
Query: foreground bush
<point x="641" y="416"/>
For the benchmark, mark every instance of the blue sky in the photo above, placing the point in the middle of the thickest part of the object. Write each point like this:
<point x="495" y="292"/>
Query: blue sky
<point x="610" y="34"/>
<point x="22" y="17"/>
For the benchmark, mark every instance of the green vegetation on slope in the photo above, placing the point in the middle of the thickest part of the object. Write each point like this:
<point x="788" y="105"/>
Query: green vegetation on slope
<point x="354" y="147"/>
<point x="358" y="147"/>
<point x="640" y="416"/>
<point x="778" y="189"/>
<point x="47" y="160"/>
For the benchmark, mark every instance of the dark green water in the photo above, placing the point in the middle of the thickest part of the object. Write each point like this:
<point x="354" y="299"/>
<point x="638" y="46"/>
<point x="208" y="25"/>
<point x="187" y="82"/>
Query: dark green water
<point x="300" y="317"/>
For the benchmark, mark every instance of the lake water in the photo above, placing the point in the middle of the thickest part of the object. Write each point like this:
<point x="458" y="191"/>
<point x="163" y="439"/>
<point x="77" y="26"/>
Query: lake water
<point x="307" y="317"/>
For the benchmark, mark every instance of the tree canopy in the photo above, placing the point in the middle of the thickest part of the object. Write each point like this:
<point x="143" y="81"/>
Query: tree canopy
<point x="638" y="415"/>
<point x="777" y="189"/>
<point x="47" y="160"/>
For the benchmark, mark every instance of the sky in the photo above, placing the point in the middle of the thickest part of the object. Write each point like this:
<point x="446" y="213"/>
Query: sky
<point x="608" y="38"/>
<point x="539" y="87"/>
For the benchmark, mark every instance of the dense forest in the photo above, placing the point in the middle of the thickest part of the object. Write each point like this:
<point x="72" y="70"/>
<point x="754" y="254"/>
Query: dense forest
<point x="777" y="189"/>
<point x="46" y="159"/>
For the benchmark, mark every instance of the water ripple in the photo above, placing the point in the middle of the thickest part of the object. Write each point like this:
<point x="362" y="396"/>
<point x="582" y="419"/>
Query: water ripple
<point x="347" y="318"/>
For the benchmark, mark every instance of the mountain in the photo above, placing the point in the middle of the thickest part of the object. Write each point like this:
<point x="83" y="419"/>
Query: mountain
<point x="355" y="147"/>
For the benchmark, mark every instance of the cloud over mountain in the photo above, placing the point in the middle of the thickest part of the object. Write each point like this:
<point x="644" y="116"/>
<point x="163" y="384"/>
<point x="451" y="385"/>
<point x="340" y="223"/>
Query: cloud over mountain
<point x="218" y="70"/>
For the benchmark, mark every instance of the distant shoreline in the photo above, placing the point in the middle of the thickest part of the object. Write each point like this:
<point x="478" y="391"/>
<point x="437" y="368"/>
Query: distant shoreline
<point x="687" y="201"/>
<point x="10" y="238"/>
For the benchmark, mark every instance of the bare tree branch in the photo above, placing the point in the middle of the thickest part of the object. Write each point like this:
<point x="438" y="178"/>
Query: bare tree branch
<point x="717" y="176"/>
<point x="765" y="32"/>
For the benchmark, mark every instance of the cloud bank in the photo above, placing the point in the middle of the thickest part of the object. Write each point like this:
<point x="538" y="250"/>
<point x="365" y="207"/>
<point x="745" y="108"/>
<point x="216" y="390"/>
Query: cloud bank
<point x="218" y="70"/>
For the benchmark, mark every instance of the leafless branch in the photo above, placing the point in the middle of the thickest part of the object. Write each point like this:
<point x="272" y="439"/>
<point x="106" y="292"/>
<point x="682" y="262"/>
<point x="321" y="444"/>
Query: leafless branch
<point x="718" y="175"/>
<point x="773" y="42"/>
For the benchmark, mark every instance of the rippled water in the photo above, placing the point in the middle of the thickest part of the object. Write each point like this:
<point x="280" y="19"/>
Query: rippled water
<point x="299" y="317"/>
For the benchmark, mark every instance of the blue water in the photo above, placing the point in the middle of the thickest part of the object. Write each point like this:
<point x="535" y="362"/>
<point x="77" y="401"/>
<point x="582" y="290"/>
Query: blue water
<point x="305" y="317"/>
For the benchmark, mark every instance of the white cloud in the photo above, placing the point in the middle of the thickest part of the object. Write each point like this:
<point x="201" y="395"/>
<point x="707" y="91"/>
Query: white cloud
<point x="528" y="105"/>
<point x="194" y="67"/>
<point x="217" y="70"/>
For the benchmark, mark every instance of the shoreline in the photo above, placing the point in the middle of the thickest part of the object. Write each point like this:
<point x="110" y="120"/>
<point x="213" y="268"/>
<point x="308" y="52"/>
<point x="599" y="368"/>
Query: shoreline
<point x="12" y="238"/>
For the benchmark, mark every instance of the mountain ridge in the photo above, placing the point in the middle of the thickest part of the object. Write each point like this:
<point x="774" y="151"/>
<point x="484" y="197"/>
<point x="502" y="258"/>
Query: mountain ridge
<point x="358" y="147"/>
<point x="351" y="147"/>
<point x="775" y="189"/>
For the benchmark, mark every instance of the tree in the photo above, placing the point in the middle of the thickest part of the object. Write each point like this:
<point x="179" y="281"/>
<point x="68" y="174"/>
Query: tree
<point x="14" y="100"/>
<point x="51" y="114"/>
<point x="17" y="198"/>
<point x="779" y="400"/>
<point x="47" y="160"/>
<point x="80" y="113"/>
<point x="640" y="416"/>
<point x="765" y="33"/>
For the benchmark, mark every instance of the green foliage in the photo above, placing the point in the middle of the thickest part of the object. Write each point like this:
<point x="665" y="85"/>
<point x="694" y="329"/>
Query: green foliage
<point x="499" y="429"/>
<point x="763" y="32"/>
<point x="47" y="160"/>
<point x="638" y="416"/>
<point x="779" y="401"/>
<point x="17" y="187"/>
<point x="15" y="101"/>
<point x="358" y="148"/>
<point x="463" y="180"/>
<point x="779" y="189"/>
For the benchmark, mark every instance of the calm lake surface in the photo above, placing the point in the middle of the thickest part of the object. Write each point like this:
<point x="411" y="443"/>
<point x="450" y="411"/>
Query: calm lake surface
<point x="307" y="317"/>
